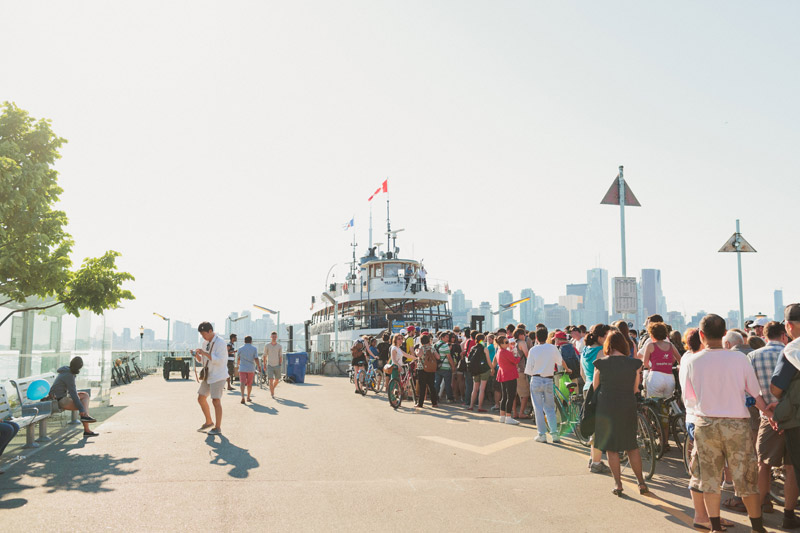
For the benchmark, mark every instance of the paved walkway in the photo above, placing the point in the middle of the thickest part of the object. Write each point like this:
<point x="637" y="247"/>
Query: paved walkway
<point x="320" y="457"/>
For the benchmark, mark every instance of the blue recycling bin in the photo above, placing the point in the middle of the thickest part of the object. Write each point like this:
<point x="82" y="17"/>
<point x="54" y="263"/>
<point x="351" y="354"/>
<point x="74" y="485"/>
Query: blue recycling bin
<point x="296" y="366"/>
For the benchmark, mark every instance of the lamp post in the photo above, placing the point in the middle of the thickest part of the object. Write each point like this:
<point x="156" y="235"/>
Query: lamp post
<point x="169" y="323"/>
<point x="738" y="245"/>
<point x="232" y="320"/>
<point x="270" y="311"/>
<point x="141" y="341"/>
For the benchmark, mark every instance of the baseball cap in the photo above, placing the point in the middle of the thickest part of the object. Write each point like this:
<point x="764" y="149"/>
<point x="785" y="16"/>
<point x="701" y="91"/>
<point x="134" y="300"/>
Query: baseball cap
<point x="792" y="313"/>
<point x="404" y="331"/>
<point x="761" y="322"/>
<point x="560" y="335"/>
<point x="410" y="328"/>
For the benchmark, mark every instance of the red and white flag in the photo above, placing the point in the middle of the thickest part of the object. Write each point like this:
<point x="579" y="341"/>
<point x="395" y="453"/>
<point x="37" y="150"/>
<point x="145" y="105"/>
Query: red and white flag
<point x="382" y="188"/>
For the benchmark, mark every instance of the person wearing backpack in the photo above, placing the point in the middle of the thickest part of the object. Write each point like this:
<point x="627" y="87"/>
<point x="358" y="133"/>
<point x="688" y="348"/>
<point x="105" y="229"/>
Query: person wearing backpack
<point x="427" y="371"/>
<point x="445" y="371"/>
<point x="458" y="375"/>
<point x="480" y="367"/>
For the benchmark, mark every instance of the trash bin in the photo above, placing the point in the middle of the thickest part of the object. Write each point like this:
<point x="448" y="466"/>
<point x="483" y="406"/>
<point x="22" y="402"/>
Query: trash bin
<point x="296" y="366"/>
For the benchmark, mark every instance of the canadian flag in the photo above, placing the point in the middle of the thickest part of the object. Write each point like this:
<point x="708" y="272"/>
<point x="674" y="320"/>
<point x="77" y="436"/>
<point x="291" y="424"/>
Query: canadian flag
<point x="383" y="188"/>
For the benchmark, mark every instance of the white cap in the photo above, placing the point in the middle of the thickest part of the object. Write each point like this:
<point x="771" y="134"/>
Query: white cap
<point x="404" y="331"/>
<point x="763" y="321"/>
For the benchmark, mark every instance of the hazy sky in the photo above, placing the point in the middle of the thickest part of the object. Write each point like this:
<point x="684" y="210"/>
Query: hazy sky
<point x="221" y="146"/>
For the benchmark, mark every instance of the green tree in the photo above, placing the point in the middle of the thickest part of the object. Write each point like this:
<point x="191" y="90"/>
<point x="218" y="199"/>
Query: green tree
<point x="34" y="245"/>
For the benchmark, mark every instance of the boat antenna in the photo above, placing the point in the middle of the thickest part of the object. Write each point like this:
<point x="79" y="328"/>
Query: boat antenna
<point x="353" y="265"/>
<point x="388" y="224"/>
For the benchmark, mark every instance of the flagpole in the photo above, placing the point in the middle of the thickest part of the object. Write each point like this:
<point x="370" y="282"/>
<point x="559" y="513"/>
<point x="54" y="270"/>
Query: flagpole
<point x="388" y="225"/>
<point x="370" y="226"/>
<point x="622" y="220"/>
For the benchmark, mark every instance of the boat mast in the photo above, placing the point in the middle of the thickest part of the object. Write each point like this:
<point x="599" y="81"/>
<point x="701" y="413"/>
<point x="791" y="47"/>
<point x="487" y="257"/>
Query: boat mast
<point x="388" y="225"/>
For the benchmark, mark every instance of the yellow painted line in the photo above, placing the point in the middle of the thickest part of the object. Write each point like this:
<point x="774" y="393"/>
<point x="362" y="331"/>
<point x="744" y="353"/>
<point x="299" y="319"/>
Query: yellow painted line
<point x="481" y="450"/>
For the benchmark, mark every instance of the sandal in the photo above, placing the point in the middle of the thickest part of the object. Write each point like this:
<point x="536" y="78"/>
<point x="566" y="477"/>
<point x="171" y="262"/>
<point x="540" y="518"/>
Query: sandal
<point x="725" y="524"/>
<point x="617" y="492"/>
<point x="735" y="504"/>
<point x="644" y="490"/>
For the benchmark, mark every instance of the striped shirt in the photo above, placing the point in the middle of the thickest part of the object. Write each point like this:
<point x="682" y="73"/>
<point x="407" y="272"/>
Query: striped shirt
<point x="764" y="361"/>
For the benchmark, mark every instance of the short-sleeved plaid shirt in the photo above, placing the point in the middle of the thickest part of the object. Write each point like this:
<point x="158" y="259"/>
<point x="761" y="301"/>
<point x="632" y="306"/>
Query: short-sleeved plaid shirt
<point x="764" y="361"/>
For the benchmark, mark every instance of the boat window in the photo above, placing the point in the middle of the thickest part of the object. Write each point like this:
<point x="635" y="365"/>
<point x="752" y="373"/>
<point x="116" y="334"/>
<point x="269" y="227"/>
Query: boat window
<point x="391" y="270"/>
<point x="378" y="272"/>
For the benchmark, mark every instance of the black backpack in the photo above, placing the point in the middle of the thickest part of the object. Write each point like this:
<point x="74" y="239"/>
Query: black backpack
<point x="476" y="360"/>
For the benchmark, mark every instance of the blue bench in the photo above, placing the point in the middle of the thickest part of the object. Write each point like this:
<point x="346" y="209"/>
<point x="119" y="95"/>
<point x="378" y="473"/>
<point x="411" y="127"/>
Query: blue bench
<point x="30" y="415"/>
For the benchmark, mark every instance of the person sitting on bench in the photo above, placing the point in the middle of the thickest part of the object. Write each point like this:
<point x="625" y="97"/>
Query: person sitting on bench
<point x="7" y="431"/>
<point x="68" y="397"/>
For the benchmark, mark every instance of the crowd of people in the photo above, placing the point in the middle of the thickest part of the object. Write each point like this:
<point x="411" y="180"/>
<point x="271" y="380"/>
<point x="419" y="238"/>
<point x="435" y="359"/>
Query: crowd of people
<point x="740" y="389"/>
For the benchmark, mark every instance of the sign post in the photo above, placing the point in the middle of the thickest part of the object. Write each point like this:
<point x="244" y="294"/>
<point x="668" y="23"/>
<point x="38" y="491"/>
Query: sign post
<point x="620" y="194"/>
<point x="738" y="244"/>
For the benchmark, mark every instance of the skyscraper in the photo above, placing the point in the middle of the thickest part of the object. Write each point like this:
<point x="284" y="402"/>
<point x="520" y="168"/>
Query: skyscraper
<point x="459" y="302"/>
<point x="778" y="297"/>
<point x="527" y="309"/>
<point x="506" y="316"/>
<point x="486" y="310"/>
<point x="652" y="297"/>
<point x="596" y="301"/>
<point x="555" y="316"/>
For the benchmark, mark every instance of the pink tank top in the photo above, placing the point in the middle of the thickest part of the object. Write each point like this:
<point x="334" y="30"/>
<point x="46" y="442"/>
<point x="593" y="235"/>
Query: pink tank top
<point x="661" y="360"/>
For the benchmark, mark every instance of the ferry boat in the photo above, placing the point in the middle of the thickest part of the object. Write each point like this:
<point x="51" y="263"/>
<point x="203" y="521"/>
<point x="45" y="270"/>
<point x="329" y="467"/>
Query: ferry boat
<point x="377" y="295"/>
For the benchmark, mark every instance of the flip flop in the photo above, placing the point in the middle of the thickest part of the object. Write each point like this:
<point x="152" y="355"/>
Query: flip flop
<point x="698" y="525"/>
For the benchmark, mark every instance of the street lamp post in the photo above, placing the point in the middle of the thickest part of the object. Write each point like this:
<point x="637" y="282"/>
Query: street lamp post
<point x="232" y="320"/>
<point x="169" y="323"/>
<point x="141" y="341"/>
<point x="270" y="311"/>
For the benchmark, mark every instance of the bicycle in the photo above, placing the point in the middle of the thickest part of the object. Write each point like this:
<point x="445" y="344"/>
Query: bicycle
<point x="370" y="379"/>
<point x="568" y="406"/>
<point x="351" y="373"/>
<point x="666" y="417"/>
<point x="406" y="385"/>
<point x="136" y="369"/>
<point x="647" y="448"/>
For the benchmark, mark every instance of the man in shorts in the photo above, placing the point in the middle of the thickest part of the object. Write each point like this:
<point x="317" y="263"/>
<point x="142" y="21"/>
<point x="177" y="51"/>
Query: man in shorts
<point x="231" y="360"/>
<point x="213" y="355"/>
<point x="771" y="444"/>
<point x="273" y="356"/>
<point x="248" y="360"/>
<point x="714" y="385"/>
<point x="359" y="359"/>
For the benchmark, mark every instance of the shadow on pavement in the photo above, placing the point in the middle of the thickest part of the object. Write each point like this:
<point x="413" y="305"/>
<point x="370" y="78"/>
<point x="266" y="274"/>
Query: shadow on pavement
<point x="230" y="454"/>
<point x="291" y="403"/>
<point x="258" y="408"/>
<point x="64" y="471"/>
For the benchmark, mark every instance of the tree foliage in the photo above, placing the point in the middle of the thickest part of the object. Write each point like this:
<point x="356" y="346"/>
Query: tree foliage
<point x="34" y="244"/>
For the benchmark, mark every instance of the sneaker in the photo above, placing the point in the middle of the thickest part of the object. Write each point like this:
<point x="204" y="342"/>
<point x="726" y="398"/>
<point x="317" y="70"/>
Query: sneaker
<point x="790" y="522"/>
<point x="205" y="427"/>
<point x="90" y="434"/>
<point x="512" y="422"/>
<point x="599" y="468"/>
<point x="87" y="418"/>
<point x="502" y="420"/>
<point x="495" y="408"/>
<point x="215" y="431"/>
<point x="541" y="438"/>
<point x="556" y="439"/>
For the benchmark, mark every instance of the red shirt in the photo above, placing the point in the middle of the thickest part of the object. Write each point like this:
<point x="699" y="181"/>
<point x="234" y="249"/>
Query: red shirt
<point x="507" y="361"/>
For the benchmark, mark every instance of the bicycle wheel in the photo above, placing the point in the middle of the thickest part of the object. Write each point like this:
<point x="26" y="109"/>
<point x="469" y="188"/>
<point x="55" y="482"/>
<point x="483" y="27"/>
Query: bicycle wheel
<point x="361" y="382"/>
<point x="380" y="381"/>
<point x="777" y="481"/>
<point x="394" y="393"/>
<point x="412" y="389"/>
<point x="655" y="429"/>
<point x="114" y="375"/>
<point x="127" y="374"/>
<point x="688" y="446"/>
<point x="647" y="447"/>
<point x="678" y="430"/>
<point x="585" y="441"/>
<point x="137" y="370"/>
<point x="573" y="417"/>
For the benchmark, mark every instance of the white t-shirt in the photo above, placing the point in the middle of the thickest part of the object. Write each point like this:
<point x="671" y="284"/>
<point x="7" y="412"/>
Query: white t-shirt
<point x="542" y="359"/>
<point x="218" y="365"/>
<point x="396" y="354"/>
<point x="579" y="344"/>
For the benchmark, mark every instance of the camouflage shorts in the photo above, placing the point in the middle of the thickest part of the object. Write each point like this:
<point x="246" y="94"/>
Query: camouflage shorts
<point x="721" y="440"/>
